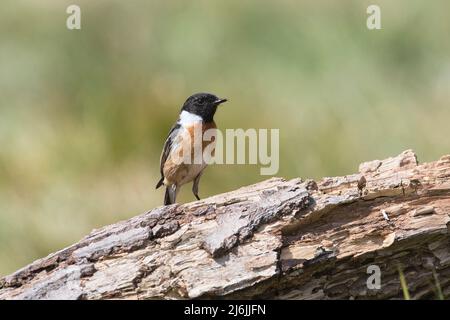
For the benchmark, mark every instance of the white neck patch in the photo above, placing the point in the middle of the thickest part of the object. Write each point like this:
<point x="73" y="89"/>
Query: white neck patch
<point x="187" y="118"/>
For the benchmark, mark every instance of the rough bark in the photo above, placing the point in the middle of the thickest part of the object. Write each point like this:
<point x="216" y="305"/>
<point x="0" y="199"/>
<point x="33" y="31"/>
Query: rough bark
<point x="276" y="239"/>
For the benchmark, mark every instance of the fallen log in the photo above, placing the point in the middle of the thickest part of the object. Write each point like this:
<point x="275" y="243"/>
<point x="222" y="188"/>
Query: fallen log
<point x="278" y="239"/>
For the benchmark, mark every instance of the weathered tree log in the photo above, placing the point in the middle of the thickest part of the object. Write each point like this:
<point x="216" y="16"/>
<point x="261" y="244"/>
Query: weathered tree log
<point x="276" y="239"/>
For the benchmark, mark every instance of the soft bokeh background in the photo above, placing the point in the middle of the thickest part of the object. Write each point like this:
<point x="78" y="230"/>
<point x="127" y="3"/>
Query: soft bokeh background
<point x="83" y="114"/>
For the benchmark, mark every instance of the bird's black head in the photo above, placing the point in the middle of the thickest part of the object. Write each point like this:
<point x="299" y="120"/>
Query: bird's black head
<point x="203" y="105"/>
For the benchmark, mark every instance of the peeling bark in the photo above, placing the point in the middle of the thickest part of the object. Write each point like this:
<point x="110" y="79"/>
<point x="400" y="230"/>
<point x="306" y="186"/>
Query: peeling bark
<point x="276" y="239"/>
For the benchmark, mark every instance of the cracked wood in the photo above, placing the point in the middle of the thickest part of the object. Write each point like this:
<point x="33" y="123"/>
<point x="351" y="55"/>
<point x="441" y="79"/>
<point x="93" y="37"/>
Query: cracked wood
<point x="279" y="239"/>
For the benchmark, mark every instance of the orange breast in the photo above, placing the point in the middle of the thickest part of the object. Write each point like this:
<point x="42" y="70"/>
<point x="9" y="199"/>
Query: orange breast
<point x="185" y="172"/>
<point x="205" y="126"/>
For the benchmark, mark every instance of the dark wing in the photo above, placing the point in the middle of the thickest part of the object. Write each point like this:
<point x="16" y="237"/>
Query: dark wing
<point x="166" y="150"/>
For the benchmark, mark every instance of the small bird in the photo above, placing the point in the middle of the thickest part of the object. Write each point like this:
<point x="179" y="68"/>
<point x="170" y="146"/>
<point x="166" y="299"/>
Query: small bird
<point x="198" y="110"/>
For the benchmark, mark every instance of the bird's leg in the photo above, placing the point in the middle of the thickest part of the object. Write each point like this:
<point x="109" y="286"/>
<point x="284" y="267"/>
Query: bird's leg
<point x="195" y="186"/>
<point x="171" y="194"/>
<point x="175" y="190"/>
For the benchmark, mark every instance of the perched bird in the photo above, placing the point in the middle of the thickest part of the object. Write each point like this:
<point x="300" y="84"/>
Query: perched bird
<point x="198" y="111"/>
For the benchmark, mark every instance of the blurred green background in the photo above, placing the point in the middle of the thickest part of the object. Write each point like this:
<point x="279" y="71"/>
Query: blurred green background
<point x="84" y="114"/>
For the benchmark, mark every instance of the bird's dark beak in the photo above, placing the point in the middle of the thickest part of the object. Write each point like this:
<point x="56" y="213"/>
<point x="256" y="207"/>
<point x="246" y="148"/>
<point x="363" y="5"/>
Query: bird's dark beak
<point x="220" y="101"/>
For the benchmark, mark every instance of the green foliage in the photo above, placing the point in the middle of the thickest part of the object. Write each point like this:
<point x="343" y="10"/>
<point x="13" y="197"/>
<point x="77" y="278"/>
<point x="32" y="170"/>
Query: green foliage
<point x="403" y="284"/>
<point x="439" y="293"/>
<point x="83" y="114"/>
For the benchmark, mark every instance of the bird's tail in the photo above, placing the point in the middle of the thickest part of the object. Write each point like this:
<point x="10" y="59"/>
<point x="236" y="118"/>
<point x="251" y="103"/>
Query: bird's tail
<point x="160" y="183"/>
<point x="170" y="195"/>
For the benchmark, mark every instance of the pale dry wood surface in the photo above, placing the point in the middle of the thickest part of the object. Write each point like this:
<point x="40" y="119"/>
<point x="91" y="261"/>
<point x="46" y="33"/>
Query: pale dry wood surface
<point x="276" y="239"/>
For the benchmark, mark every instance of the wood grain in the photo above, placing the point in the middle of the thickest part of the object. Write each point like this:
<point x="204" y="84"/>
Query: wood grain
<point x="278" y="239"/>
